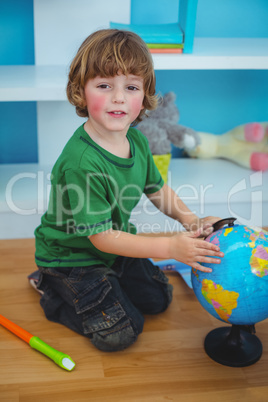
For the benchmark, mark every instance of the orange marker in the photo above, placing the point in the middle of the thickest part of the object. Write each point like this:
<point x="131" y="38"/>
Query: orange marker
<point x="59" y="358"/>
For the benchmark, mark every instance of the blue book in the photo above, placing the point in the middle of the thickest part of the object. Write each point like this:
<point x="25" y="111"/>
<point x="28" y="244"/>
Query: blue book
<point x="154" y="33"/>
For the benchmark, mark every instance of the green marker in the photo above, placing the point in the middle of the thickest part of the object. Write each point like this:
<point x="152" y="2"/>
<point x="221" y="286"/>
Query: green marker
<point x="61" y="359"/>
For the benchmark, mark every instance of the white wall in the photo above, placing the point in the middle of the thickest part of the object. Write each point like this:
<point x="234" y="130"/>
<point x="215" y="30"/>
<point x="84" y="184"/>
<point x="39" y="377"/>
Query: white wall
<point x="61" y="25"/>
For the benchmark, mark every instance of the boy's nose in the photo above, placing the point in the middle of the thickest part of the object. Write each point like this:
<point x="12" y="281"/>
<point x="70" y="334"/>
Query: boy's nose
<point x="118" y="96"/>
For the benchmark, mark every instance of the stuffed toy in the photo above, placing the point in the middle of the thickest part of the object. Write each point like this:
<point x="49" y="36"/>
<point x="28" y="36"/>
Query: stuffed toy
<point x="161" y="128"/>
<point x="246" y="145"/>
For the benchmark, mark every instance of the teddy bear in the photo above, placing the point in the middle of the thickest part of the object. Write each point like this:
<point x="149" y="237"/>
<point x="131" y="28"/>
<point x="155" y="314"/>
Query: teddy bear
<point x="162" y="129"/>
<point x="246" y="145"/>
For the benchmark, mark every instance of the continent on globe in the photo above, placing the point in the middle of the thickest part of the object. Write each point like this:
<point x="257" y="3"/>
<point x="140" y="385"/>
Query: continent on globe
<point x="255" y="234"/>
<point x="227" y="231"/>
<point x="215" y="237"/>
<point x="259" y="261"/>
<point x="223" y="301"/>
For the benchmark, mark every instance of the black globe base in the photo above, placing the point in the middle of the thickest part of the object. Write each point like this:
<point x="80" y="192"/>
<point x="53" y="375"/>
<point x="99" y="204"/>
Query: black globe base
<point x="233" y="347"/>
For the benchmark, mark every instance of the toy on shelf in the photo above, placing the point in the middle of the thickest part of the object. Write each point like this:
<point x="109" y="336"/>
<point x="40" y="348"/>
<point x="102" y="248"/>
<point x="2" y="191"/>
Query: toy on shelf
<point x="162" y="129"/>
<point x="59" y="358"/>
<point x="246" y="145"/>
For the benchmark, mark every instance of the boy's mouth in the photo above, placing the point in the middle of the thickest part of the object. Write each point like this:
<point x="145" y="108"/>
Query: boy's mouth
<point x="117" y="113"/>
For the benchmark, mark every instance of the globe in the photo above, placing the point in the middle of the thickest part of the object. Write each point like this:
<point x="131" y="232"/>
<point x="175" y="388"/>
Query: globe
<point x="236" y="291"/>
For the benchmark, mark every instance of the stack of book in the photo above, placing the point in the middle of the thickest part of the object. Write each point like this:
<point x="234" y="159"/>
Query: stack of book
<point x="160" y="38"/>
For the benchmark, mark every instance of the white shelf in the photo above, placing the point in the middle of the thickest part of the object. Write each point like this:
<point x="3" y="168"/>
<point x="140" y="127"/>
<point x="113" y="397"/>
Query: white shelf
<point x="33" y="83"/>
<point x="48" y="83"/>
<point x="219" y="54"/>
<point x="239" y="192"/>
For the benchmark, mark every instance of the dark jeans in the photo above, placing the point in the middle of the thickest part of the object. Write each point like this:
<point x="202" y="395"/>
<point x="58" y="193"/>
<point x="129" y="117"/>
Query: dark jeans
<point x="105" y="304"/>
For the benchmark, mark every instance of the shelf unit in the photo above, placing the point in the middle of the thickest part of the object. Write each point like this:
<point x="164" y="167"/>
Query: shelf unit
<point x="48" y="83"/>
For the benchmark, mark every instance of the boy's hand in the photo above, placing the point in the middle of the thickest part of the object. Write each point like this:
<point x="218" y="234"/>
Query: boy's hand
<point x="189" y="249"/>
<point x="205" y="224"/>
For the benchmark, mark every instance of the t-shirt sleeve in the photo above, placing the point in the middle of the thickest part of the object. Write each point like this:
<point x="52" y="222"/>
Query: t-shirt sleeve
<point x="89" y="206"/>
<point x="154" y="180"/>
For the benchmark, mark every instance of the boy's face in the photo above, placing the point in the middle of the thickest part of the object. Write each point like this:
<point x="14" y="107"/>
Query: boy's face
<point x="113" y="103"/>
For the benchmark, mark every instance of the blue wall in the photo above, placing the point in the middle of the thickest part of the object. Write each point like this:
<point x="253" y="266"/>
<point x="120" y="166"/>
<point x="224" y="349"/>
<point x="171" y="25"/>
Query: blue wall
<point x="18" y="128"/>
<point x="17" y="32"/>
<point x="215" y="18"/>
<point x="154" y="11"/>
<point x="232" y="18"/>
<point x="18" y="132"/>
<point x="216" y="101"/>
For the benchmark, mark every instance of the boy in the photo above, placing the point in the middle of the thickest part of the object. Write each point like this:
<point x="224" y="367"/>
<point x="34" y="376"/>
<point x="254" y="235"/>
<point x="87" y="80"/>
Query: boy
<point x="94" y="272"/>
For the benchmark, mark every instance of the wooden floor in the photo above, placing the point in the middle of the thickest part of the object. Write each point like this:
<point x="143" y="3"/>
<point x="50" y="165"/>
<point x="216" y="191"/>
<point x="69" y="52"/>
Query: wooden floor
<point x="167" y="363"/>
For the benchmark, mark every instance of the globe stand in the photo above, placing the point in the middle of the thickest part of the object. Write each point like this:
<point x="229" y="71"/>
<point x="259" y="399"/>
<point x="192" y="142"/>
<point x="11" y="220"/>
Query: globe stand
<point x="233" y="347"/>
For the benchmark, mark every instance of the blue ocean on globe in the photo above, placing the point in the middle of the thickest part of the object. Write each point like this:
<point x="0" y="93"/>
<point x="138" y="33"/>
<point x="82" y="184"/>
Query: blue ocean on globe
<point x="236" y="291"/>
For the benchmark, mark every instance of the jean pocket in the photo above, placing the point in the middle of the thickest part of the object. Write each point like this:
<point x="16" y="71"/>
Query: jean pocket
<point x="99" y="311"/>
<point x="103" y="320"/>
<point x="92" y="295"/>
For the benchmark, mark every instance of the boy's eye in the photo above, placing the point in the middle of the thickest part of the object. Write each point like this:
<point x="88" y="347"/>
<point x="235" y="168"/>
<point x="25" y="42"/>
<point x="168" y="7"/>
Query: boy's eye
<point x="103" y="86"/>
<point x="132" y="88"/>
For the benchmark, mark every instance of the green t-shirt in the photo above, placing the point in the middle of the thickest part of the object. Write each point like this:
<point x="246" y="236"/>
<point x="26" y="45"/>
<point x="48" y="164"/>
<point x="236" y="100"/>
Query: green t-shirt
<point x="92" y="190"/>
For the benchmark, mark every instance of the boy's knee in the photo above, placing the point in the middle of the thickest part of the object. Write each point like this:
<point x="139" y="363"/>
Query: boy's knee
<point x="159" y="297"/>
<point x="169" y="294"/>
<point x="117" y="338"/>
<point x="166" y="289"/>
<point x="160" y="301"/>
<point x="166" y="299"/>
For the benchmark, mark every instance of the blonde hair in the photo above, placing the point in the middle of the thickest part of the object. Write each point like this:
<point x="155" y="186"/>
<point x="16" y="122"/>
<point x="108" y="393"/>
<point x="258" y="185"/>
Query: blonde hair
<point x="105" y="53"/>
